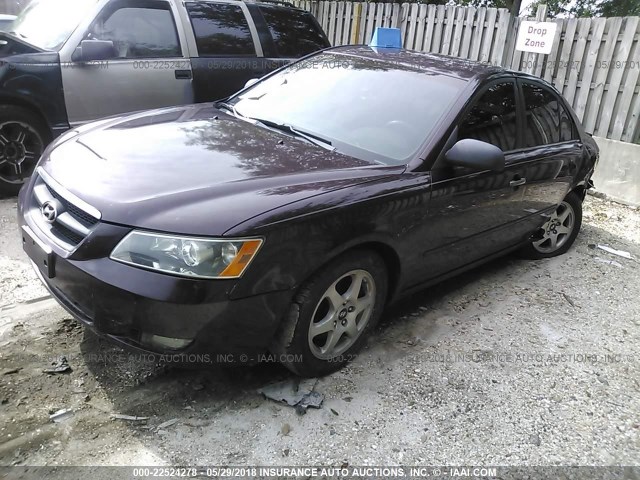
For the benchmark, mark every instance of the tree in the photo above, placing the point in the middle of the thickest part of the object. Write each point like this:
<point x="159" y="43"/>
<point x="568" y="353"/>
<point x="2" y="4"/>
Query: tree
<point x="491" y="3"/>
<point x="557" y="8"/>
<point x="619" y="8"/>
<point x="508" y="4"/>
<point x="563" y="8"/>
<point x="588" y="8"/>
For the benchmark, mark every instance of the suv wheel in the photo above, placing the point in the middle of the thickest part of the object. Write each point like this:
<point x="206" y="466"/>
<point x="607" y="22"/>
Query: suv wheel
<point x="332" y="314"/>
<point x="23" y="138"/>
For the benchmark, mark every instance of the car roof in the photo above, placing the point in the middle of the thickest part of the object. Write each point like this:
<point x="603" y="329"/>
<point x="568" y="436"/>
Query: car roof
<point x="461" y="68"/>
<point x="279" y="3"/>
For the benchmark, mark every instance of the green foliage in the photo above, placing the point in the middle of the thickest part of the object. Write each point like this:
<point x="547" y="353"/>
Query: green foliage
<point x="469" y="3"/>
<point x="619" y="8"/>
<point x="557" y="8"/>
<point x="491" y="3"/>
<point x="588" y="8"/>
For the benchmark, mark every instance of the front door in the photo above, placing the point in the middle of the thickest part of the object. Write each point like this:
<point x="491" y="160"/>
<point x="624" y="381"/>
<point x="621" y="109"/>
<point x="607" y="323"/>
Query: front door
<point x="475" y="214"/>
<point x="151" y="68"/>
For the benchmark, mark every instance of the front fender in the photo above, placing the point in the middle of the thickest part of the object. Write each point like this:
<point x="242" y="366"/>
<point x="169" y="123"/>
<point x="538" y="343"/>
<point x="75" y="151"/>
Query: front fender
<point x="380" y="214"/>
<point x="34" y="80"/>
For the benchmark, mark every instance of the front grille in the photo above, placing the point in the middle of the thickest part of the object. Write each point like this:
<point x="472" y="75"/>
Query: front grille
<point x="66" y="233"/>
<point x="82" y="216"/>
<point x="71" y="223"/>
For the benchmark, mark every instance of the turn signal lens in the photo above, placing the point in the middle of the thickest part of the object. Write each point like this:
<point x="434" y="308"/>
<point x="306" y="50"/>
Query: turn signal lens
<point x="242" y="258"/>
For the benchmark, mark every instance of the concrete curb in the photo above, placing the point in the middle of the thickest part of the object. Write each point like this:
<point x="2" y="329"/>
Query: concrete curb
<point x="618" y="172"/>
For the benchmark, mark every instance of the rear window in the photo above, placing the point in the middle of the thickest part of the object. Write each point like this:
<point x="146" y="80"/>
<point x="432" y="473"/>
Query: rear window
<point x="295" y="33"/>
<point x="220" y="30"/>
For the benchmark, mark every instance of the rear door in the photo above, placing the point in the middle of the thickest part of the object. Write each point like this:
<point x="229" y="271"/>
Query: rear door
<point x="151" y="68"/>
<point x="552" y="149"/>
<point x="229" y="52"/>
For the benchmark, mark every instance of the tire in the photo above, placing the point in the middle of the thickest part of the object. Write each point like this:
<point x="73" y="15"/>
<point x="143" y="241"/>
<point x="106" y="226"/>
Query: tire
<point x="556" y="238"/>
<point x="308" y="352"/>
<point x="23" y="138"/>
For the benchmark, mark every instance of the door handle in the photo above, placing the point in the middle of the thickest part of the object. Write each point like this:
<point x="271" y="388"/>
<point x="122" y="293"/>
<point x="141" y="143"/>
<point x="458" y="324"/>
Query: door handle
<point x="183" y="74"/>
<point x="517" y="182"/>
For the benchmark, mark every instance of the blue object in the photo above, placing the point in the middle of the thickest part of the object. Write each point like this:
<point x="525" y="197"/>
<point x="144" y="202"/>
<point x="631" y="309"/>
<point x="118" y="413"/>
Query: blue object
<point x="386" y="38"/>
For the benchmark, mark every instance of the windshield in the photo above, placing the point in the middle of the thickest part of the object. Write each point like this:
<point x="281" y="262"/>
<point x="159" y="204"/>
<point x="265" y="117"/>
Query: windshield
<point x="364" y="107"/>
<point x="47" y="24"/>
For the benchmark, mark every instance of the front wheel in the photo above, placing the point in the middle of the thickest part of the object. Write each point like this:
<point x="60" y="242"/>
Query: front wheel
<point x="332" y="314"/>
<point x="23" y="138"/>
<point x="559" y="232"/>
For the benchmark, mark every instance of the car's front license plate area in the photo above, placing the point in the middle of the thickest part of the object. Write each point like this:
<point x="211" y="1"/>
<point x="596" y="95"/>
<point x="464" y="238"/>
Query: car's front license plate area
<point x="40" y="253"/>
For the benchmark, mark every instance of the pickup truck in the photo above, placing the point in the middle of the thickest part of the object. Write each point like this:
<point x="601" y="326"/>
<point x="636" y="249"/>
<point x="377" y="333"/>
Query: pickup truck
<point x="67" y="62"/>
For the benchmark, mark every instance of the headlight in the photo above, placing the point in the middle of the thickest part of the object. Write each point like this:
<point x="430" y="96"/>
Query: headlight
<point x="187" y="256"/>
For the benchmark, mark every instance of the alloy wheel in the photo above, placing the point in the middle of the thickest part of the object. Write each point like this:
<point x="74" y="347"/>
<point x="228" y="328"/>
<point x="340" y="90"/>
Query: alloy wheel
<point x="557" y="230"/>
<point x="342" y="314"/>
<point x="20" y="148"/>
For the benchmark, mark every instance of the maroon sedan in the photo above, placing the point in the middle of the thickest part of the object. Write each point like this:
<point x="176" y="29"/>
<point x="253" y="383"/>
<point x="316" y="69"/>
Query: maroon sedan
<point x="285" y="218"/>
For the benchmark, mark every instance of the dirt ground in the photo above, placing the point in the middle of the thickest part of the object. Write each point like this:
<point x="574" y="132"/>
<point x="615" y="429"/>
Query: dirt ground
<point x="516" y="363"/>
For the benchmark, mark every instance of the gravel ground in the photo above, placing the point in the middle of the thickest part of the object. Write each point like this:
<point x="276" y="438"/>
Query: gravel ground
<point x="515" y="363"/>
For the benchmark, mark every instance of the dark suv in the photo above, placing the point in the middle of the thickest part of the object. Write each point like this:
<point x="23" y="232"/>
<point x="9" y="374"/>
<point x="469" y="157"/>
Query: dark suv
<point x="67" y="62"/>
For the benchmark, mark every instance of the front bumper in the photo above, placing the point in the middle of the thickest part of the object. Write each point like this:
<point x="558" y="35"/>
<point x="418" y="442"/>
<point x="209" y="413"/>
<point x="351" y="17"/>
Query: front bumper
<point x="132" y="306"/>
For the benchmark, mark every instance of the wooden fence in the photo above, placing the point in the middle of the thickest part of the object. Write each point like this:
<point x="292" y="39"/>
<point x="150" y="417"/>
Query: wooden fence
<point x="595" y="62"/>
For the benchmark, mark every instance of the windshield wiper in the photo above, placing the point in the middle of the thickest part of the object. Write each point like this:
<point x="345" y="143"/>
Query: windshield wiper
<point x="228" y="106"/>
<point x="16" y="34"/>
<point x="310" y="137"/>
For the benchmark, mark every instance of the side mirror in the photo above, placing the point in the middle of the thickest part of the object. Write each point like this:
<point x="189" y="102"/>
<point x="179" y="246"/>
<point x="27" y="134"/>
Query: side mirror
<point x="476" y="155"/>
<point x="251" y="81"/>
<point x="90" y="50"/>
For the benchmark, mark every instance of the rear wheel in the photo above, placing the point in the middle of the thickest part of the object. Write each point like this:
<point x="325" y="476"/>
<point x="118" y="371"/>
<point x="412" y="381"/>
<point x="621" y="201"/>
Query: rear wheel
<point x="332" y="314"/>
<point x="23" y="137"/>
<point x="559" y="232"/>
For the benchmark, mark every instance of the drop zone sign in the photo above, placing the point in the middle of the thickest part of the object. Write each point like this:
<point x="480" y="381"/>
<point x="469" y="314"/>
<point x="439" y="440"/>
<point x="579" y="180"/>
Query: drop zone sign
<point x="536" y="37"/>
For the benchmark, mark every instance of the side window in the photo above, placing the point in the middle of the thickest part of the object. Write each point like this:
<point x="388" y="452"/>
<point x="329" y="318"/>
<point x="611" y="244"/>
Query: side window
<point x="220" y="30"/>
<point x="138" y="31"/>
<point x="492" y="118"/>
<point x="568" y="130"/>
<point x="294" y="32"/>
<point x="546" y="119"/>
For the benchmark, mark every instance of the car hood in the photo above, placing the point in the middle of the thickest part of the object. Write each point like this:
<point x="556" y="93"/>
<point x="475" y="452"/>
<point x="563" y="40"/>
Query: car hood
<point x="194" y="169"/>
<point x="12" y="45"/>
